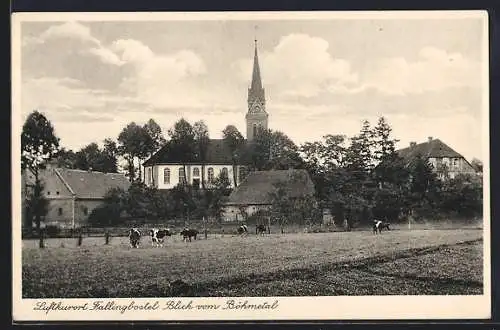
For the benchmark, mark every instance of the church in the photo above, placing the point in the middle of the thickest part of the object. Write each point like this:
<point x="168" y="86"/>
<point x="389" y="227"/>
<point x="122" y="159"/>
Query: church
<point x="164" y="170"/>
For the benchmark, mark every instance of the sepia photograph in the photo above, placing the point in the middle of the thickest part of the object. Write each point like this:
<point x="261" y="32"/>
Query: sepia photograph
<point x="246" y="165"/>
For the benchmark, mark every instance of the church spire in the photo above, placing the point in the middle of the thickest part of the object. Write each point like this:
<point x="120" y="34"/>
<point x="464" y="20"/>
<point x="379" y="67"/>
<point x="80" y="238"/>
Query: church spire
<point x="256" y="80"/>
<point x="256" y="116"/>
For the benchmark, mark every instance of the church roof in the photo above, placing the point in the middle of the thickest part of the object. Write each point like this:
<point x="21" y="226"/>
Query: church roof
<point x="434" y="148"/>
<point x="256" y="188"/>
<point x="218" y="152"/>
<point x="256" y="79"/>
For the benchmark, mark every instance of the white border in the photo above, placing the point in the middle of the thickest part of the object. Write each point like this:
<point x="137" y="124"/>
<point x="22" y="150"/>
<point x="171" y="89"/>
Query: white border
<point x="290" y="308"/>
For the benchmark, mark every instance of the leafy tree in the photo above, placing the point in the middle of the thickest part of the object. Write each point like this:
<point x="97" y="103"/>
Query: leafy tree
<point x="38" y="144"/>
<point x="235" y="141"/>
<point x="65" y="158"/>
<point x="92" y="157"/>
<point x="110" y="211"/>
<point x="477" y="165"/>
<point x="423" y="188"/>
<point x="284" y="153"/>
<point x="134" y="143"/>
<point x="202" y="140"/>
<point x="359" y="155"/>
<point x="182" y="143"/>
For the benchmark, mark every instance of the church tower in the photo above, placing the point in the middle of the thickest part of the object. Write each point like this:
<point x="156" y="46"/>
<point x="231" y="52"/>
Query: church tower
<point x="256" y="116"/>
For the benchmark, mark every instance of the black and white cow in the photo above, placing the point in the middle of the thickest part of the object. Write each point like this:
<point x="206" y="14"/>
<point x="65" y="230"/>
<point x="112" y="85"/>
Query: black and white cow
<point x="378" y="225"/>
<point x="243" y="230"/>
<point x="135" y="236"/>
<point x="158" y="236"/>
<point x="188" y="233"/>
<point x="260" y="229"/>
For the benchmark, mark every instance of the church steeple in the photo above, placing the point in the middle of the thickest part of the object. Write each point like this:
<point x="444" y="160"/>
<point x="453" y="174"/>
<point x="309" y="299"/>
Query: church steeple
<point x="257" y="116"/>
<point x="256" y="80"/>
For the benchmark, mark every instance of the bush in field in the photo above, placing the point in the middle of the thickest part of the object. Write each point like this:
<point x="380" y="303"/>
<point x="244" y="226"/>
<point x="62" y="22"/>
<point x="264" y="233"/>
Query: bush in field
<point x="462" y="196"/>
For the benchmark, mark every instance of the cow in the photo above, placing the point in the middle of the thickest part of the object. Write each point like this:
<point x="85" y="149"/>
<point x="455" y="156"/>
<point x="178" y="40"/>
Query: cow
<point x="243" y="230"/>
<point x="378" y="225"/>
<point x="158" y="236"/>
<point x="188" y="233"/>
<point x="260" y="229"/>
<point x="135" y="236"/>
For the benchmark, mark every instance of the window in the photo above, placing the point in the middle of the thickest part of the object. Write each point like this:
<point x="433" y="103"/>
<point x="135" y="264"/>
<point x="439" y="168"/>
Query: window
<point x="57" y="192"/>
<point x="254" y="130"/>
<point x="242" y="174"/>
<point x="150" y="177"/>
<point x="60" y="211"/>
<point x="224" y="172"/>
<point x="210" y="174"/>
<point x="48" y="192"/>
<point x="455" y="162"/>
<point x="181" y="174"/>
<point x="196" y="171"/>
<point x="166" y="176"/>
<point x="85" y="210"/>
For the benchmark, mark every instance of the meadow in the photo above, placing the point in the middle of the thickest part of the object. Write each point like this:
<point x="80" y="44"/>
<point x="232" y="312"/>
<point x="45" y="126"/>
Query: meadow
<point x="399" y="262"/>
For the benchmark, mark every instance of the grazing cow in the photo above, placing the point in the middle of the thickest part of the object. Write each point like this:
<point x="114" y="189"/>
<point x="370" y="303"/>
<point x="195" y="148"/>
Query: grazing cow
<point x="243" y="230"/>
<point x="188" y="233"/>
<point x="379" y="225"/>
<point x="135" y="236"/>
<point x="260" y="229"/>
<point x="158" y="236"/>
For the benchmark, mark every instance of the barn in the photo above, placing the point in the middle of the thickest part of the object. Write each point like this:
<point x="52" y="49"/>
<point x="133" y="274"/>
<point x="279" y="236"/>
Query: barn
<point x="72" y="194"/>
<point x="254" y="193"/>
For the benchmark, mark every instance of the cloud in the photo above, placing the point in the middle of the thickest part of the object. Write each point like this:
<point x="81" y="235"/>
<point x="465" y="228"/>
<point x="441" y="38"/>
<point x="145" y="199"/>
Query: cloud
<point x="300" y="65"/>
<point x="72" y="30"/>
<point x="434" y="70"/>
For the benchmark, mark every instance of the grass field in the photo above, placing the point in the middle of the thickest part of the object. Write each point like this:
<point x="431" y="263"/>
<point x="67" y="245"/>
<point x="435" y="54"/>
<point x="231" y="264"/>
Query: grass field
<point x="339" y="263"/>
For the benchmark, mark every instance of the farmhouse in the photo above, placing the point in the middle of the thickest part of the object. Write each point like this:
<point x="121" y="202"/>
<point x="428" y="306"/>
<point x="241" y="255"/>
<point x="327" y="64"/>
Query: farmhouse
<point x="72" y="194"/>
<point x="165" y="169"/>
<point x="254" y="193"/>
<point x="445" y="161"/>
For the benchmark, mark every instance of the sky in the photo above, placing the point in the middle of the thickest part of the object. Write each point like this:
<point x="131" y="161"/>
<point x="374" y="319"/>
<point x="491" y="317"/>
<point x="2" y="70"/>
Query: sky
<point x="321" y="76"/>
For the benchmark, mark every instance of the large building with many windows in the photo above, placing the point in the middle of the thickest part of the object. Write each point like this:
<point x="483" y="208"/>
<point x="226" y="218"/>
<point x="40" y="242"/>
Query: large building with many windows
<point x="165" y="170"/>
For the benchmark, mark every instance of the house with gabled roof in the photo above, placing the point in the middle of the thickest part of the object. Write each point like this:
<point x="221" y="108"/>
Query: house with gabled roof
<point x="446" y="162"/>
<point x="73" y="194"/>
<point x="165" y="170"/>
<point x="254" y="193"/>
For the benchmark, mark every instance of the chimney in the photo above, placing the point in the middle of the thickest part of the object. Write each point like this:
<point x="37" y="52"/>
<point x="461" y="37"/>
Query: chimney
<point x="412" y="144"/>
<point x="430" y="138"/>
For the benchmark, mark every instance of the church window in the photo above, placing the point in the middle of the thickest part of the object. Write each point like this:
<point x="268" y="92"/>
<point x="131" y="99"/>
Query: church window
<point x="166" y="176"/>
<point x="85" y="210"/>
<point x="254" y="130"/>
<point x="196" y="171"/>
<point x="210" y="174"/>
<point x="60" y="211"/>
<point x="181" y="174"/>
<point x="224" y="172"/>
<point x="150" y="179"/>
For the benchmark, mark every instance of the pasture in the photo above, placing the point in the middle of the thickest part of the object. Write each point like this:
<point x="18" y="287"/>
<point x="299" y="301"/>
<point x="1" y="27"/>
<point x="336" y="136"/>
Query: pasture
<point x="400" y="262"/>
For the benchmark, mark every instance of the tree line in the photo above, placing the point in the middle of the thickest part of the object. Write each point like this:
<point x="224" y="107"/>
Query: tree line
<point x="356" y="178"/>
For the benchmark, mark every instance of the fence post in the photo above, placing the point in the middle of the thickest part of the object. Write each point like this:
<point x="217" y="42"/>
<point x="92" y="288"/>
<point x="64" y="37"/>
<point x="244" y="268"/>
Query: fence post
<point x="106" y="237"/>
<point x="80" y="239"/>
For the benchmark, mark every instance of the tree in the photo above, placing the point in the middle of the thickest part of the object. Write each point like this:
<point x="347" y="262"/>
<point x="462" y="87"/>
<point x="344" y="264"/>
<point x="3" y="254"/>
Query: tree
<point x="384" y="146"/>
<point x="423" y="188"/>
<point x="284" y="153"/>
<point x="110" y="211"/>
<point x="38" y="145"/>
<point x="235" y="142"/>
<point x="359" y="155"/>
<point x="182" y="143"/>
<point x="202" y="139"/>
<point x="92" y="157"/>
<point x="66" y="158"/>
<point x="134" y="143"/>
<point x="477" y="165"/>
